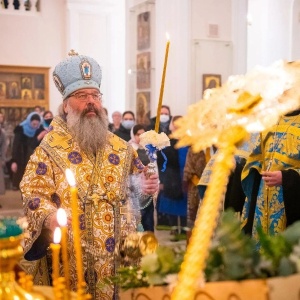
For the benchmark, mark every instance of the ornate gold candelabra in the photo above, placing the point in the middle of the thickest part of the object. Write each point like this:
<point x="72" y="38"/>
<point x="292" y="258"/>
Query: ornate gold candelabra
<point x="10" y="253"/>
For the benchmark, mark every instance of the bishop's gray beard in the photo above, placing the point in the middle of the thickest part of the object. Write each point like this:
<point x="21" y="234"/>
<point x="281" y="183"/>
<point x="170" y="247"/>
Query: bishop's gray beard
<point x="89" y="132"/>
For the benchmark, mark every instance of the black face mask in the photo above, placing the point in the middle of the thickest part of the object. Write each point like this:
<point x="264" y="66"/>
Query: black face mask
<point x="48" y="121"/>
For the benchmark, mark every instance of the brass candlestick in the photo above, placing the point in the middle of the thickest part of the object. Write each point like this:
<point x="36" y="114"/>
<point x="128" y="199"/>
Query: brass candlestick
<point x="10" y="253"/>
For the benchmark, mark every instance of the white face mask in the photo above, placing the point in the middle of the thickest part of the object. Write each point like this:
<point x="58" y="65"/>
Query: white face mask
<point x="128" y="124"/>
<point x="164" y="118"/>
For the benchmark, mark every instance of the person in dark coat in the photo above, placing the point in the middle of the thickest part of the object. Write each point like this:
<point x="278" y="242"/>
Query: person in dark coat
<point x="128" y="121"/>
<point x="164" y="120"/>
<point x="23" y="146"/>
<point x="172" y="199"/>
<point x="116" y="121"/>
<point x="44" y="127"/>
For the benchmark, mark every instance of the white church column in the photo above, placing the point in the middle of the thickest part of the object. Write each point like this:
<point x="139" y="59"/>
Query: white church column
<point x="173" y="16"/>
<point x="269" y="31"/>
<point x="97" y="29"/>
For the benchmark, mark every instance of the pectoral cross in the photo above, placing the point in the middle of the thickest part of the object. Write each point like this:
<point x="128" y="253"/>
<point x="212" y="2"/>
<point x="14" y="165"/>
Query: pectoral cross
<point x="95" y="198"/>
<point x="72" y="52"/>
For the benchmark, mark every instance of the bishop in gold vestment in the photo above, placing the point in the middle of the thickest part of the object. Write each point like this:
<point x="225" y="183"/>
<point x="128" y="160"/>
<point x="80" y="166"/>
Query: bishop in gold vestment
<point x="101" y="162"/>
<point x="102" y="198"/>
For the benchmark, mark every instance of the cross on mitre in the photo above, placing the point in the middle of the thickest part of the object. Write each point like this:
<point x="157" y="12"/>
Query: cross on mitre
<point x="72" y="53"/>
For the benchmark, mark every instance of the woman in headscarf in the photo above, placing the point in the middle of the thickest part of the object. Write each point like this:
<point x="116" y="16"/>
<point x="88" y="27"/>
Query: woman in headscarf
<point x="23" y="146"/>
<point x="44" y="127"/>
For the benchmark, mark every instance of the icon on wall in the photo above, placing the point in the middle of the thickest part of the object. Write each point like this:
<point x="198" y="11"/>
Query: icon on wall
<point x="26" y="83"/>
<point x="210" y="81"/>
<point x="2" y="90"/>
<point x="13" y="90"/>
<point x="143" y="108"/>
<point x="21" y="89"/>
<point x="143" y="70"/>
<point x="143" y="31"/>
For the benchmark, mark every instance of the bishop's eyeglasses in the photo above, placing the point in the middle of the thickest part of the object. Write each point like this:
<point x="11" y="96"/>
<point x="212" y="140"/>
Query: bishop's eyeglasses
<point x="84" y="96"/>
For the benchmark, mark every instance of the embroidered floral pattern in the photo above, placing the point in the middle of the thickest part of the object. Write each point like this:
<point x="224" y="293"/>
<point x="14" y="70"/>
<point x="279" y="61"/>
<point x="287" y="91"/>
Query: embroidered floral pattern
<point x="34" y="203"/>
<point x="41" y="169"/>
<point x="114" y="159"/>
<point x="110" y="244"/>
<point x="75" y="157"/>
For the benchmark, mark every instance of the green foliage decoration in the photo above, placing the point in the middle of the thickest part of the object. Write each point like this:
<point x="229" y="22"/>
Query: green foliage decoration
<point x="233" y="256"/>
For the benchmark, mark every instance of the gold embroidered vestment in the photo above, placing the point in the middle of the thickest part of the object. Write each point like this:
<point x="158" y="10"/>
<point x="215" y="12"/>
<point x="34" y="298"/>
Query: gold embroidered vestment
<point x="102" y="183"/>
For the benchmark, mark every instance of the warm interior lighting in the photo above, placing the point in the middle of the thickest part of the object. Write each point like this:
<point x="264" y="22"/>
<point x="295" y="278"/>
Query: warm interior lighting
<point x="57" y="235"/>
<point x="70" y="177"/>
<point x="61" y="217"/>
<point x="255" y="127"/>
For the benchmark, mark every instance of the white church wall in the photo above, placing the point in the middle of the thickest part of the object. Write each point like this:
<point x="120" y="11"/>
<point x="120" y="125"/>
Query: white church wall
<point x="269" y="31"/>
<point x="172" y="17"/>
<point x="35" y="40"/>
<point x="218" y="40"/>
<point x="98" y="30"/>
<point x="45" y="38"/>
<point x="295" y="40"/>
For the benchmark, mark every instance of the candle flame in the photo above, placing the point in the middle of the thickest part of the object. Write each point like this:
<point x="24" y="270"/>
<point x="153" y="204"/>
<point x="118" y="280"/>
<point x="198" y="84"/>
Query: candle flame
<point x="61" y="217"/>
<point x="70" y="177"/>
<point x="57" y="235"/>
<point x="167" y="36"/>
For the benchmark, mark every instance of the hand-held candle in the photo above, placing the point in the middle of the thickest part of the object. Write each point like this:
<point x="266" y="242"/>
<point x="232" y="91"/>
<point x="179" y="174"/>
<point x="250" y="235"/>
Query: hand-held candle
<point x="162" y="85"/>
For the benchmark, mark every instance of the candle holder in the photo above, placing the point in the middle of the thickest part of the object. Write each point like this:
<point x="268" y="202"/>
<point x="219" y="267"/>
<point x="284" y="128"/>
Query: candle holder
<point x="10" y="253"/>
<point x="11" y="236"/>
<point x="135" y="245"/>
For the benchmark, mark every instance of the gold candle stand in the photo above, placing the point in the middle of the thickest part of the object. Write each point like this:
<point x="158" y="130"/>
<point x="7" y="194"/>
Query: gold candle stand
<point x="10" y="253"/>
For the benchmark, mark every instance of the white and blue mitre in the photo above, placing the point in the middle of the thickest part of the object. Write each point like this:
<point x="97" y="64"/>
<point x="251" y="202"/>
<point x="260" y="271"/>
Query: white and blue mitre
<point x="77" y="72"/>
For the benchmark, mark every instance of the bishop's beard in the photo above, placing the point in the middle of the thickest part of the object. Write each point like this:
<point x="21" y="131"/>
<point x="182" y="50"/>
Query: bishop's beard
<point x="89" y="132"/>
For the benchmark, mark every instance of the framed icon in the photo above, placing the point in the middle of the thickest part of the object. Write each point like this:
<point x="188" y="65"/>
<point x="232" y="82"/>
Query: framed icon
<point x="21" y="89"/>
<point x="210" y="81"/>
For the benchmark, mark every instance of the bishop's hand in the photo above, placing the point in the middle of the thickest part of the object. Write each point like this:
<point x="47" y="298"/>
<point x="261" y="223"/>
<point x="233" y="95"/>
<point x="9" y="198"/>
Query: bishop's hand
<point x="150" y="184"/>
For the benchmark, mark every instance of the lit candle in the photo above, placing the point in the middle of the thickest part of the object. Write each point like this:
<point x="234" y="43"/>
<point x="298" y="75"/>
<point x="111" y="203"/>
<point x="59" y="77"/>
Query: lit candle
<point x="55" y="248"/>
<point x="162" y="85"/>
<point x="62" y="221"/>
<point x="75" y="226"/>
